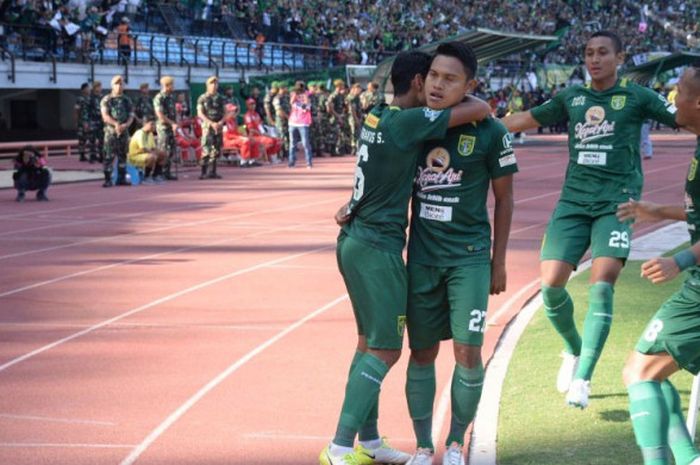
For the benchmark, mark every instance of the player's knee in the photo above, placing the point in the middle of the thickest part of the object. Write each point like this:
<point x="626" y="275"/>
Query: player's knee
<point x="634" y="370"/>
<point x="425" y="356"/>
<point x="467" y="355"/>
<point x="389" y="357"/>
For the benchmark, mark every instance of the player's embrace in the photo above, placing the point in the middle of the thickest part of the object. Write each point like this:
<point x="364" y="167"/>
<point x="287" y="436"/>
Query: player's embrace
<point x="370" y="245"/>
<point x="671" y="341"/>
<point x="605" y="119"/>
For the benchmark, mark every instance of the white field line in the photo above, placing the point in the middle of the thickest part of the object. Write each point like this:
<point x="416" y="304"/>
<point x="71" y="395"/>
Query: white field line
<point x="155" y="303"/>
<point x="231" y="369"/>
<point x="54" y="445"/>
<point x="72" y="421"/>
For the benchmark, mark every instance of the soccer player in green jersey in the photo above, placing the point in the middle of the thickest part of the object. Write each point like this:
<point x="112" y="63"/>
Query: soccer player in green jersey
<point x="605" y="119"/>
<point x="671" y="340"/>
<point x="370" y="245"/>
<point x="451" y="270"/>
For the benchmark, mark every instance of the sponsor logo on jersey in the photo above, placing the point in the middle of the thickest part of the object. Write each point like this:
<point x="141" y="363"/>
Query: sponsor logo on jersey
<point x="507" y="160"/>
<point x="595" y="127"/>
<point x="507" y="141"/>
<point x="618" y="102"/>
<point x="578" y="101"/>
<point x="689" y="205"/>
<point x="692" y="171"/>
<point x="437" y="173"/>
<point x="466" y="144"/>
<point x="372" y="121"/>
<point x="432" y="115"/>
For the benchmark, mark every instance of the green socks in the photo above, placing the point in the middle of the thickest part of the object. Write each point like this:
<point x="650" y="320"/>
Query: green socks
<point x="559" y="308"/>
<point x="596" y="328"/>
<point x="684" y="451"/>
<point x="650" y="420"/>
<point x="368" y="431"/>
<point x="420" y="394"/>
<point x="361" y="396"/>
<point x="467" y="384"/>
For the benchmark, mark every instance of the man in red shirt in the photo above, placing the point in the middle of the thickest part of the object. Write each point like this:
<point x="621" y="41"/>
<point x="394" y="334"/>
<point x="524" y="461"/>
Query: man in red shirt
<point x="253" y="122"/>
<point x="233" y="139"/>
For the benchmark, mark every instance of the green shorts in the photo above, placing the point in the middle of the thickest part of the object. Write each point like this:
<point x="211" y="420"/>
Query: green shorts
<point x="675" y="329"/>
<point x="445" y="303"/>
<point x="573" y="228"/>
<point x="377" y="284"/>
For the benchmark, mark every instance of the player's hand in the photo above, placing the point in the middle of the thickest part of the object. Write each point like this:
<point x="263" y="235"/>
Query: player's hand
<point x="660" y="269"/>
<point x="498" y="278"/>
<point x="638" y="211"/>
<point x="342" y="216"/>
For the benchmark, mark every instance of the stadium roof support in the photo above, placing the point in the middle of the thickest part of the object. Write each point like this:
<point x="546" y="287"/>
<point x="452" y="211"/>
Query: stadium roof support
<point x="647" y="72"/>
<point x="488" y="45"/>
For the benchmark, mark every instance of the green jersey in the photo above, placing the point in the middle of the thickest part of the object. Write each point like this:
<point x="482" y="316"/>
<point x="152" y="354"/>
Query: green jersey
<point x="390" y="141"/>
<point x="450" y="221"/>
<point x="604" y="136"/>
<point x="692" y="201"/>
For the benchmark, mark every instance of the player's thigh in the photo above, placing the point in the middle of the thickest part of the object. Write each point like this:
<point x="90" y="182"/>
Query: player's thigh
<point x="610" y="237"/>
<point x="427" y="316"/>
<point x="568" y="234"/>
<point x="468" y="295"/>
<point x="377" y="283"/>
<point x="675" y="329"/>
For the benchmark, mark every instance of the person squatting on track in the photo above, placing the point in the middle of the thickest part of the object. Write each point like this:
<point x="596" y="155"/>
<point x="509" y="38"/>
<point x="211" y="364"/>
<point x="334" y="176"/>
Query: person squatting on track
<point x="210" y="109"/>
<point x="144" y="155"/>
<point x="164" y="107"/>
<point x="671" y="340"/>
<point x="605" y="169"/>
<point x="31" y="174"/>
<point x="370" y="245"/>
<point x="451" y="270"/>
<point x="117" y="114"/>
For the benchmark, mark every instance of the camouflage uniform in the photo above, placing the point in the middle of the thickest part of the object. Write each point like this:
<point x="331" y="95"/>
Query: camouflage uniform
<point x="369" y="100"/>
<point x="165" y="103"/>
<point x="97" y="127"/>
<point x="116" y="145"/>
<point x="315" y="128"/>
<point x="282" y="106"/>
<point x="327" y="139"/>
<point x="354" y="108"/>
<point x="267" y="103"/>
<point x="82" y="106"/>
<point x="212" y="106"/>
<point x="339" y="130"/>
<point x="144" y="108"/>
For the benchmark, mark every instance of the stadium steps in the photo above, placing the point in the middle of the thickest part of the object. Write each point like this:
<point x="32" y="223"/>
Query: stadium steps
<point x="173" y="19"/>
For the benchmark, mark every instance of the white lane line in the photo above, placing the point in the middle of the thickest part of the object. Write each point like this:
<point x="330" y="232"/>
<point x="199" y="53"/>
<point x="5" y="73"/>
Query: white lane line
<point x="165" y="326"/>
<point x="155" y="303"/>
<point x="509" y="303"/>
<point x="74" y="421"/>
<point x="40" y="445"/>
<point x="197" y="396"/>
<point x="164" y="228"/>
<point x="305" y="267"/>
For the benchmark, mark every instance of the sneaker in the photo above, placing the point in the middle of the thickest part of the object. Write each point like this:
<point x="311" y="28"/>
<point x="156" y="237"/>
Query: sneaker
<point x="107" y="183"/>
<point x="453" y="455"/>
<point x="696" y="461"/>
<point x="20" y="197"/>
<point x="567" y="370"/>
<point x="384" y="453"/>
<point x="350" y="458"/>
<point x="159" y="179"/>
<point x="423" y="456"/>
<point x="149" y="181"/>
<point x="41" y="197"/>
<point x="578" y="393"/>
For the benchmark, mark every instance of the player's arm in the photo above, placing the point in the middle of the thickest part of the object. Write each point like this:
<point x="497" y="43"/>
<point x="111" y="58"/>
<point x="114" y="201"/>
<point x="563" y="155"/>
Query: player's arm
<point x="520" y="121"/>
<point x="469" y="110"/>
<point x="659" y="109"/>
<point x="502" y="217"/>
<point x="634" y="210"/>
<point x="662" y="269"/>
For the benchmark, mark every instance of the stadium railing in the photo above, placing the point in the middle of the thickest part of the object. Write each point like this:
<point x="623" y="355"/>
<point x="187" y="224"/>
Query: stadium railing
<point x="45" y="147"/>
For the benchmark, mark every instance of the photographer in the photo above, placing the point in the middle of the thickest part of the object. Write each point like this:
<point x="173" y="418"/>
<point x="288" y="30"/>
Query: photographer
<point x="300" y="120"/>
<point x="31" y="174"/>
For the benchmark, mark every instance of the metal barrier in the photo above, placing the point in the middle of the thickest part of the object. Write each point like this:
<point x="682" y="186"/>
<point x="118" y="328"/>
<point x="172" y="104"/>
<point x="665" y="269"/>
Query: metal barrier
<point x="45" y="147"/>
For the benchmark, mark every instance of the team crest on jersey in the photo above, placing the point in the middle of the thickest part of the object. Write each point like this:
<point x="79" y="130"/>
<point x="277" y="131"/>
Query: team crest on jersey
<point x="466" y="144"/>
<point x="692" y="171"/>
<point x="618" y="102"/>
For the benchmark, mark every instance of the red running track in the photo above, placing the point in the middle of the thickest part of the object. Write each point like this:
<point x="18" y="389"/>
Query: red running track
<point x="204" y="322"/>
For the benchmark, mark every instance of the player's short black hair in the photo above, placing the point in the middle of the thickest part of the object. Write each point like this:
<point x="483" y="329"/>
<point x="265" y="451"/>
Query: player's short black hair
<point x="617" y="43"/>
<point x="463" y="52"/>
<point x="406" y="66"/>
<point x="84" y="86"/>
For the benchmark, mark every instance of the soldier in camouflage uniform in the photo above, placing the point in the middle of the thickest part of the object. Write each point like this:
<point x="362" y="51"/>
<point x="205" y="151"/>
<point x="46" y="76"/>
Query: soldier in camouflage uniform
<point x="143" y="109"/>
<point x="354" y="115"/>
<point x="370" y="98"/>
<point x="267" y="104"/>
<point x="210" y="109"/>
<point x="282" y="109"/>
<point x="82" y="118"/>
<point x="97" y="135"/>
<point x="337" y="109"/>
<point x="166" y="126"/>
<point x="315" y="129"/>
<point x="327" y="141"/>
<point x="117" y="114"/>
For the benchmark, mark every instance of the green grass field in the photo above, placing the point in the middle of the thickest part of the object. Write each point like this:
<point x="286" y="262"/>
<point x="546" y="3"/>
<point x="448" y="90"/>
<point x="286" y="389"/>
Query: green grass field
<point x="537" y="428"/>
